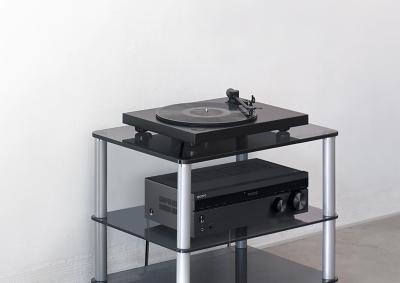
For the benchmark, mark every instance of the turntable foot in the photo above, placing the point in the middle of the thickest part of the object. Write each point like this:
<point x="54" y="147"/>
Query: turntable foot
<point x="140" y="130"/>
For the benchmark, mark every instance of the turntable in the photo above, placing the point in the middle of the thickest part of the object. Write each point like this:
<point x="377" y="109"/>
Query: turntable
<point x="214" y="119"/>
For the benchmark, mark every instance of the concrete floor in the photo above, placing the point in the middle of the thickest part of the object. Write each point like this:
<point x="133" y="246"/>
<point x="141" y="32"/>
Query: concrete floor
<point x="366" y="253"/>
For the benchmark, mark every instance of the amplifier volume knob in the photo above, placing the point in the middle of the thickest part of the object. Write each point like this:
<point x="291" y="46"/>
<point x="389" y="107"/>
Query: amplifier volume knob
<point x="279" y="204"/>
<point x="297" y="200"/>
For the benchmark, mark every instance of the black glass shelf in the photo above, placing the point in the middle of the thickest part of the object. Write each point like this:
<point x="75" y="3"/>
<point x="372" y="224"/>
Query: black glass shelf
<point x="177" y="151"/>
<point x="225" y="265"/>
<point x="133" y="221"/>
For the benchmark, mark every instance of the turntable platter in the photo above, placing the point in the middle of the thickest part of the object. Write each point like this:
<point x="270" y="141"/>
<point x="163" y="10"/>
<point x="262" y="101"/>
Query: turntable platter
<point x="204" y="114"/>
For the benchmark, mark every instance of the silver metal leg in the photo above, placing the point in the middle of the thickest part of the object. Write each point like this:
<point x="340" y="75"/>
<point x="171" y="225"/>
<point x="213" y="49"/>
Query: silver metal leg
<point x="100" y="210"/>
<point x="183" y="223"/>
<point x="183" y="268"/>
<point x="243" y="243"/>
<point x="240" y="265"/>
<point x="328" y="268"/>
<point x="242" y="157"/>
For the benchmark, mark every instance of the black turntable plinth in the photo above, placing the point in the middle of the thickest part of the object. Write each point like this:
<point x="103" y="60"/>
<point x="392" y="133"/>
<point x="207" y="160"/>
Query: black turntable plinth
<point x="213" y="120"/>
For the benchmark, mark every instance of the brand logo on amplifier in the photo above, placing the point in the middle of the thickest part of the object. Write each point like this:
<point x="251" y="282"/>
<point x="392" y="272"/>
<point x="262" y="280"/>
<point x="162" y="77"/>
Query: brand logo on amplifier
<point x="252" y="194"/>
<point x="201" y="196"/>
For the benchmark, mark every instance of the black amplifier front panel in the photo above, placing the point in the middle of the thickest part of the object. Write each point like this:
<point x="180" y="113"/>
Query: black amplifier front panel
<point x="257" y="211"/>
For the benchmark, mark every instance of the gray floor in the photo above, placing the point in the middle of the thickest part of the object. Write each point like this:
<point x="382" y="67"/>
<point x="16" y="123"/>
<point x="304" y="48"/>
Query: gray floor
<point x="366" y="253"/>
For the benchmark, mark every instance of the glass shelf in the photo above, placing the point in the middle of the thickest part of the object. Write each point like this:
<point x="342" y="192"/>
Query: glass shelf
<point x="225" y="265"/>
<point x="174" y="150"/>
<point x="133" y="221"/>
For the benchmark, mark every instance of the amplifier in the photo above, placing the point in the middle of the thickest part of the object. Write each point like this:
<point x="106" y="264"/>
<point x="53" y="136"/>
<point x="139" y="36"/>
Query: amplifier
<point x="230" y="196"/>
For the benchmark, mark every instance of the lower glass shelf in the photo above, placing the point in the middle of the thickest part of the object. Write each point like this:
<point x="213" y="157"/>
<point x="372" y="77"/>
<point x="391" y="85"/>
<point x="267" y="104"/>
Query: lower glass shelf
<point x="133" y="221"/>
<point x="225" y="265"/>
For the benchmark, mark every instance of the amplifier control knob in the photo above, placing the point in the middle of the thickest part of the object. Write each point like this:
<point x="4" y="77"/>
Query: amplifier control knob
<point x="297" y="200"/>
<point x="201" y="219"/>
<point x="279" y="204"/>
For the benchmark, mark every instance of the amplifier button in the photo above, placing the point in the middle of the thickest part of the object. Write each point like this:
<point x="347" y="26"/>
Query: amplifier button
<point x="201" y="219"/>
<point x="279" y="205"/>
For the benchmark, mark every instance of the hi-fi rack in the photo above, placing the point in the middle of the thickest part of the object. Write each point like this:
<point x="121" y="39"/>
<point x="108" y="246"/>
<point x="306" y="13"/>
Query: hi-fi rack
<point x="187" y="146"/>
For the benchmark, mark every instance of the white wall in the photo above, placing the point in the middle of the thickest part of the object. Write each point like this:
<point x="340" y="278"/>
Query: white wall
<point x="70" y="67"/>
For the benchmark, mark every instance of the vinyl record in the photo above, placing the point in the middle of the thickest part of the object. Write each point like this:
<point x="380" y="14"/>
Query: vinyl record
<point x="204" y="114"/>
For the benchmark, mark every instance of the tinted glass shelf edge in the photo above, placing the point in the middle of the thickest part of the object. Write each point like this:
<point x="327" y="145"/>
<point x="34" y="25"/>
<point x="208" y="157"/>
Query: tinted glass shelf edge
<point x="176" y="151"/>
<point x="132" y="221"/>
<point x="225" y="265"/>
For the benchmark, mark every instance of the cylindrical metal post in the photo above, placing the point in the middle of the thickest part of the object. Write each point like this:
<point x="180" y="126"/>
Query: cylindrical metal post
<point x="328" y="268"/>
<point x="183" y="268"/>
<point x="184" y="222"/>
<point x="100" y="210"/>
<point x="243" y="243"/>
<point x="240" y="265"/>
<point x="242" y="157"/>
